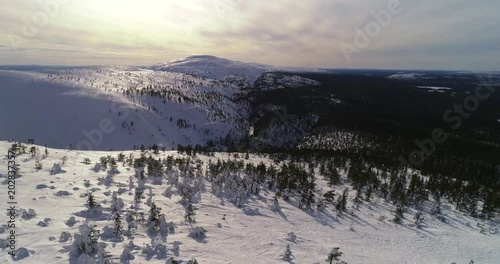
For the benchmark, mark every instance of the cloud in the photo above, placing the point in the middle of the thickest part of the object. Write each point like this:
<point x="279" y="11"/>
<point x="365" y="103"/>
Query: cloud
<point x="427" y="34"/>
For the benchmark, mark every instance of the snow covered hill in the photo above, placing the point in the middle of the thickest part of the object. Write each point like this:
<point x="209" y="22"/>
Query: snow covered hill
<point x="104" y="108"/>
<point x="239" y="229"/>
<point x="215" y="68"/>
<point x="199" y="100"/>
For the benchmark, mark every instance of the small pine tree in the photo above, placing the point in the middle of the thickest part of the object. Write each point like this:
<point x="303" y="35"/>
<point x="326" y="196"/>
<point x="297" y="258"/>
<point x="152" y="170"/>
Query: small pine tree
<point x="288" y="255"/>
<point x="334" y="255"/>
<point x="113" y="165"/>
<point x="130" y="183"/>
<point x="190" y="212"/>
<point x="488" y="205"/>
<point x="91" y="202"/>
<point x="399" y="214"/>
<point x="86" y="183"/>
<point x="121" y="157"/>
<point x="368" y="194"/>
<point x="341" y="205"/>
<point x="418" y="219"/>
<point x="86" y="241"/>
<point x="154" y="216"/>
<point x="116" y="203"/>
<point x="33" y="151"/>
<point x="118" y="227"/>
<point x="38" y="165"/>
<point x="64" y="159"/>
<point x="138" y="195"/>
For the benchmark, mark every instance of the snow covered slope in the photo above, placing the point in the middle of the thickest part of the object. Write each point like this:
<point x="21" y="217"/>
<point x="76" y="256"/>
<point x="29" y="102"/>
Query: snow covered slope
<point x="258" y="232"/>
<point x="215" y="68"/>
<point x="104" y="108"/>
<point x="195" y="100"/>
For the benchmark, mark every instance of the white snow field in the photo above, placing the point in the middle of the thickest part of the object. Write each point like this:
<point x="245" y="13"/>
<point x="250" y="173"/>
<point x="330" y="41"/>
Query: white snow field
<point x="255" y="233"/>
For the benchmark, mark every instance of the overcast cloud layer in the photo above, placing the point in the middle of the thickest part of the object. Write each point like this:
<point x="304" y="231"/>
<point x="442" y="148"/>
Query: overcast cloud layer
<point x="422" y="34"/>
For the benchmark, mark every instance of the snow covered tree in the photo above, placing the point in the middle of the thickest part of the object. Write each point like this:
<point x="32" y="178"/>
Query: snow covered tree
<point x="33" y="151"/>
<point x="171" y="260"/>
<point x="198" y="232"/>
<point x="334" y="255"/>
<point x="93" y="208"/>
<point x="163" y="225"/>
<point x="130" y="183"/>
<point x="85" y="242"/>
<point x="113" y="166"/>
<point x="275" y="206"/>
<point x="398" y="214"/>
<point x="190" y="212"/>
<point x="121" y="157"/>
<point x="131" y="224"/>
<point x="341" y="205"/>
<point x="64" y="159"/>
<point x="419" y="218"/>
<point x="488" y="205"/>
<point x="126" y="255"/>
<point x="38" y="165"/>
<point x="102" y="257"/>
<point x="117" y="228"/>
<point x="91" y="202"/>
<point x="138" y="194"/>
<point x="287" y="255"/>
<point x="116" y="203"/>
<point x="154" y="218"/>
<point x="86" y="183"/>
<point x="333" y="177"/>
<point x="150" y="197"/>
<point x="436" y="211"/>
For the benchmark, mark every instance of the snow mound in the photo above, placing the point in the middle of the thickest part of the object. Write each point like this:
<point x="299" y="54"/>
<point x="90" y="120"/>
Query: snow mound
<point x="21" y="253"/>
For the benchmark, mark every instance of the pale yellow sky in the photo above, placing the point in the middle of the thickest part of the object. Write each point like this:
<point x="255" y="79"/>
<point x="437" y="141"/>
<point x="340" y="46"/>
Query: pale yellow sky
<point x="420" y="34"/>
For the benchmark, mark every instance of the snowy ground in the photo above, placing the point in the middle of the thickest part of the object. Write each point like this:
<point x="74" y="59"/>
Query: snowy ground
<point x="254" y="234"/>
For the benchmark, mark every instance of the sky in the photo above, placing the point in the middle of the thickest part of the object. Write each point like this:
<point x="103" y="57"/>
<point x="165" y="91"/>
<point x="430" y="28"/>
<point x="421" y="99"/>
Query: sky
<point x="378" y="34"/>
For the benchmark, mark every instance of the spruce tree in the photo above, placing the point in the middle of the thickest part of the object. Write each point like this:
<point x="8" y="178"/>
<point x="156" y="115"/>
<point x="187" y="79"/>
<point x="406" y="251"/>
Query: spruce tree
<point x="399" y="214"/>
<point x="419" y="218"/>
<point x="154" y="216"/>
<point x="190" y="212"/>
<point x="91" y="203"/>
<point x="342" y="201"/>
<point x="118" y="227"/>
<point x="488" y="205"/>
<point x="334" y="255"/>
<point x="287" y="255"/>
